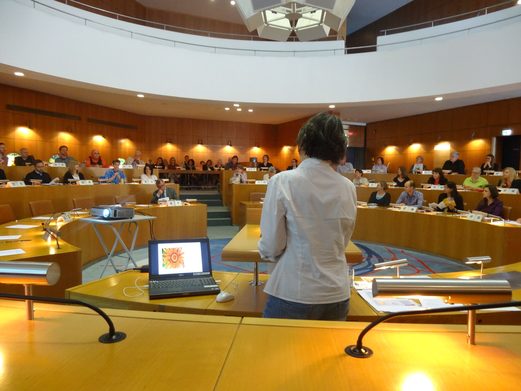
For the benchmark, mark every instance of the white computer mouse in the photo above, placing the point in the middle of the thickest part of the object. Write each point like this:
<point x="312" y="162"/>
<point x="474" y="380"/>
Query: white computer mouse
<point x="224" y="296"/>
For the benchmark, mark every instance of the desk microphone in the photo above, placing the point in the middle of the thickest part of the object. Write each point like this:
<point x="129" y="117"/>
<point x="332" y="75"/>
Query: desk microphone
<point x="142" y="269"/>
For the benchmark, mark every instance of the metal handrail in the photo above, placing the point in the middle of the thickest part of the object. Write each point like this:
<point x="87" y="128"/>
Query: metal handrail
<point x="446" y="19"/>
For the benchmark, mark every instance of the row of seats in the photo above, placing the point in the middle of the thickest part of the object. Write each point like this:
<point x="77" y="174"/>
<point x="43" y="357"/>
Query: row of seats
<point x="45" y="207"/>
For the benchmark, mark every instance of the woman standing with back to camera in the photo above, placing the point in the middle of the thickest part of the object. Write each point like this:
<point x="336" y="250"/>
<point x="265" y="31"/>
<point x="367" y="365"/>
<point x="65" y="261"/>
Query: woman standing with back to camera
<point x="307" y="220"/>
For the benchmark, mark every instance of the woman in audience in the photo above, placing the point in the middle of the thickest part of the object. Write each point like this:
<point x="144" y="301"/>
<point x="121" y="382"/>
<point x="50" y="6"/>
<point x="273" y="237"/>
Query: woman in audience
<point x="418" y="166"/>
<point x="380" y="197"/>
<point x="160" y="163"/>
<point x="294" y="164"/>
<point x="510" y="179"/>
<point x="491" y="203"/>
<point x="172" y="164"/>
<point x="451" y="198"/>
<point x="379" y="167"/>
<point x="219" y="165"/>
<point x="437" y="178"/>
<point x="148" y="174"/>
<point x="359" y="179"/>
<point x="401" y="178"/>
<point x="73" y="174"/>
<point x="488" y="164"/>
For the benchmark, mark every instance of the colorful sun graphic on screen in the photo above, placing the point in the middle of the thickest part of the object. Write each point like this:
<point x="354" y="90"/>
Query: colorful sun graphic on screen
<point x="173" y="258"/>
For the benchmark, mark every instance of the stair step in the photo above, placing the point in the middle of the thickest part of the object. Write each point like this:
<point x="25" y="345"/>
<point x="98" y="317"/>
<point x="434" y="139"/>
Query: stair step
<point x="217" y="196"/>
<point x="213" y="222"/>
<point x="211" y="203"/>
<point x="223" y="214"/>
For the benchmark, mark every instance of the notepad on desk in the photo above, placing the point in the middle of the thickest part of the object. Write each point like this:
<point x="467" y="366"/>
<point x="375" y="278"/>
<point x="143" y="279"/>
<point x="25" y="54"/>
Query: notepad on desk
<point x="14" y="251"/>
<point x="10" y="237"/>
<point x="22" y="226"/>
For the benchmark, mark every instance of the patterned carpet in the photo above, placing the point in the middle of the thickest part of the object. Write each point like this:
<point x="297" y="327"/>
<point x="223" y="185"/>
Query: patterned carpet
<point x="419" y="263"/>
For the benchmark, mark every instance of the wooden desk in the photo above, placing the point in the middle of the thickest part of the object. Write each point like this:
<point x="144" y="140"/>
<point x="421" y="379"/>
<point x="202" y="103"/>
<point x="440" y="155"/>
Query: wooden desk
<point x="226" y="186"/>
<point x="241" y="192"/>
<point x="420" y="178"/>
<point x="249" y="213"/>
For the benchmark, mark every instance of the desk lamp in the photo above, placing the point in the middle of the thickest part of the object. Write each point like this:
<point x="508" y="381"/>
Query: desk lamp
<point x="391" y="265"/>
<point x="46" y="273"/>
<point x="451" y="290"/>
<point x="478" y="261"/>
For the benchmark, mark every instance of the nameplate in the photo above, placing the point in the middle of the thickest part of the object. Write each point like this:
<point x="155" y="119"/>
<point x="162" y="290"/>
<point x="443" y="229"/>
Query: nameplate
<point x="372" y="185"/>
<point x="427" y="172"/>
<point x="366" y="171"/>
<point x="148" y="182"/>
<point x="163" y="201"/>
<point x="126" y="166"/>
<point x="15" y="184"/>
<point x="437" y="187"/>
<point x="475" y="217"/>
<point x="410" y="209"/>
<point x="251" y="169"/>
<point x="261" y="182"/>
<point x="64" y="218"/>
<point x="498" y="173"/>
<point x="175" y="203"/>
<point x="508" y="191"/>
<point x="57" y="165"/>
<point x="85" y="182"/>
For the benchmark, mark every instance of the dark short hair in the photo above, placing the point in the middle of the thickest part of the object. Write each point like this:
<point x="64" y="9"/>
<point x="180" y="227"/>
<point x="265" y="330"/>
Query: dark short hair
<point x="402" y="170"/>
<point x="494" y="193"/>
<point x="384" y="185"/>
<point x="149" y="166"/>
<point x="453" y="188"/>
<point x="491" y="156"/>
<point x="116" y="161"/>
<point x="158" y="181"/>
<point x="359" y="171"/>
<point x="439" y="171"/>
<point x="63" y="146"/>
<point x="323" y="137"/>
<point x="381" y="158"/>
<point x="37" y="161"/>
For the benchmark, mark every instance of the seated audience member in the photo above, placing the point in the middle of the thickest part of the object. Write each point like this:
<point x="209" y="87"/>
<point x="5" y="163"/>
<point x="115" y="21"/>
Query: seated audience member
<point x="148" y="174"/>
<point x="190" y="165"/>
<point x="239" y="176"/>
<point x="437" y="177"/>
<point x="172" y="164"/>
<point x="379" y="167"/>
<point x="410" y="197"/>
<point x="39" y="175"/>
<point x="510" y="179"/>
<point x="3" y="155"/>
<point x="452" y="200"/>
<point x="114" y="174"/>
<point x="401" y="177"/>
<point x="160" y="163"/>
<point x="63" y="155"/>
<point x="232" y="164"/>
<point x="380" y="197"/>
<point x="475" y="181"/>
<point x="294" y="164"/>
<point x="185" y="162"/>
<point x="73" y="173"/>
<point x="489" y="164"/>
<point x="491" y="203"/>
<point x="454" y="165"/>
<point x="209" y="165"/>
<point x="162" y="192"/>
<point x="418" y="166"/>
<point x="219" y="165"/>
<point x="359" y="179"/>
<point x="271" y="171"/>
<point x="2" y="175"/>
<point x="135" y="160"/>
<point x="202" y="166"/>
<point x="24" y="159"/>
<point x="94" y="159"/>
<point x="265" y="163"/>
<point x="344" y="166"/>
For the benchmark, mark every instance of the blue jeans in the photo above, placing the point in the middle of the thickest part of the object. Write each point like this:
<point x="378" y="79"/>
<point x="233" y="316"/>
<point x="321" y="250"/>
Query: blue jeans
<point x="279" y="308"/>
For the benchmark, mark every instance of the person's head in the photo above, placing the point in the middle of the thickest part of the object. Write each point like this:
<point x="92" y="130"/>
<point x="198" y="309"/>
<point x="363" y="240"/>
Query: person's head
<point x="137" y="155"/>
<point x="294" y="162"/>
<point x="159" y="161"/>
<point x="63" y="151"/>
<point x="490" y="192"/>
<point x="115" y="164"/>
<point x="358" y="173"/>
<point x="94" y="154"/>
<point x="172" y="161"/>
<point x="454" y="156"/>
<point x="219" y="162"/>
<point x="38" y="165"/>
<point x="437" y="173"/>
<point x="239" y="169"/>
<point x="235" y="159"/>
<point x="191" y="162"/>
<point x="323" y="137"/>
<point x="476" y="172"/>
<point x="160" y="184"/>
<point x="209" y="163"/>
<point x="73" y="167"/>
<point x="148" y="170"/>
<point x="489" y="158"/>
<point x="409" y="187"/>
<point x="24" y="152"/>
<point x="419" y="159"/>
<point x="451" y="189"/>
<point x="382" y="186"/>
<point x="402" y="171"/>
<point x="272" y="171"/>
<point x="186" y="158"/>
<point x="2" y="148"/>
<point x="509" y="174"/>
<point x="379" y="160"/>
<point x="265" y="159"/>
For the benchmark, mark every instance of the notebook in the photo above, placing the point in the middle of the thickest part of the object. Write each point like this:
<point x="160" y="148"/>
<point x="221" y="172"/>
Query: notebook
<point x="180" y="268"/>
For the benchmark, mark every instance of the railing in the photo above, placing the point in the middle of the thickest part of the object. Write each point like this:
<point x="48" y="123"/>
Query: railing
<point x="254" y="52"/>
<point x="449" y="19"/>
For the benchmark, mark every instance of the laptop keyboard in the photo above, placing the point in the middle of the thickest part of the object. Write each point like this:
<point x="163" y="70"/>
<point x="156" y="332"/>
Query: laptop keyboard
<point x="188" y="284"/>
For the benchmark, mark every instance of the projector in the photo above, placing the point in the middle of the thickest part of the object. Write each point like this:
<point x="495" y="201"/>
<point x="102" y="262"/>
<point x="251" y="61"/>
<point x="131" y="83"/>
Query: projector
<point x="112" y="212"/>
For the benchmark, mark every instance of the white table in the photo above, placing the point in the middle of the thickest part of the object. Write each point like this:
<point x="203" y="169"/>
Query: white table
<point x="117" y="227"/>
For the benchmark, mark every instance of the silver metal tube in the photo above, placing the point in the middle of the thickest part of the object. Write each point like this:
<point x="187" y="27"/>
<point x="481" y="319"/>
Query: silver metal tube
<point x="34" y="273"/>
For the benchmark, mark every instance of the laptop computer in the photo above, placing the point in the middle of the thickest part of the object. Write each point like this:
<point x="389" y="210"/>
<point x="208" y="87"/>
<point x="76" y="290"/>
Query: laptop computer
<point x="180" y="268"/>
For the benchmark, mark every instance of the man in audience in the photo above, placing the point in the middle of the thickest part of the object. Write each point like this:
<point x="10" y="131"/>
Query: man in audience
<point x="344" y="167"/>
<point x="186" y="162"/>
<point x="24" y="159"/>
<point x="3" y="155"/>
<point x="410" y="196"/>
<point x="475" y="181"/>
<point x="63" y="155"/>
<point x="239" y="176"/>
<point x="305" y="231"/>
<point x="271" y="172"/>
<point x="454" y="165"/>
<point x="94" y="159"/>
<point x="114" y="174"/>
<point x="162" y="192"/>
<point x="136" y="160"/>
<point x="232" y="164"/>
<point x="2" y="175"/>
<point x="39" y="175"/>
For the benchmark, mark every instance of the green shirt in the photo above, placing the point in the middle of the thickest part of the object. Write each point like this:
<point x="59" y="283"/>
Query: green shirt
<point x="480" y="183"/>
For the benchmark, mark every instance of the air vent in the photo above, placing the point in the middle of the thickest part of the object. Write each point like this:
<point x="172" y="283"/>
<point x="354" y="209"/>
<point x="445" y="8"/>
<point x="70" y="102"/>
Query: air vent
<point x="110" y="123"/>
<point x="54" y="114"/>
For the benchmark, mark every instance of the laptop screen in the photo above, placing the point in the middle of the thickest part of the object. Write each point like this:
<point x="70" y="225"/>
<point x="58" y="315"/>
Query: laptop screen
<point x="179" y="258"/>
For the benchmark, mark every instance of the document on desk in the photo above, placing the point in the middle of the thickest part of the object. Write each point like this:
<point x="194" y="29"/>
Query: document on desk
<point x="10" y="237"/>
<point x="15" y="251"/>
<point x="386" y="304"/>
<point x="22" y="226"/>
<point x="41" y="218"/>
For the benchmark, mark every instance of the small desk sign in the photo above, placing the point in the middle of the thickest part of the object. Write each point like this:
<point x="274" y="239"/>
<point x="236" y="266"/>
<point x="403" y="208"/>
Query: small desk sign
<point x="475" y="217"/>
<point x="261" y="182"/>
<point x="410" y="209"/>
<point x="15" y="184"/>
<point x="512" y="190"/>
<point x="126" y="166"/>
<point x="366" y="171"/>
<point x="437" y="187"/>
<point x="148" y="182"/>
<point x="175" y="203"/>
<point x="85" y="182"/>
<point x="251" y="169"/>
<point x="427" y="172"/>
<point x="372" y="184"/>
<point x="57" y="165"/>
<point x="498" y="173"/>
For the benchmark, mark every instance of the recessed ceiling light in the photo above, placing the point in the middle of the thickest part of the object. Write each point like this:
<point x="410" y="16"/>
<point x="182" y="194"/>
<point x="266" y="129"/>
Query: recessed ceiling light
<point x="236" y="105"/>
<point x="140" y="95"/>
<point x="332" y="106"/>
<point x="19" y="74"/>
<point x="232" y="2"/>
<point x="250" y="110"/>
<point x="227" y="108"/>
<point x="239" y="109"/>
<point x="438" y="98"/>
